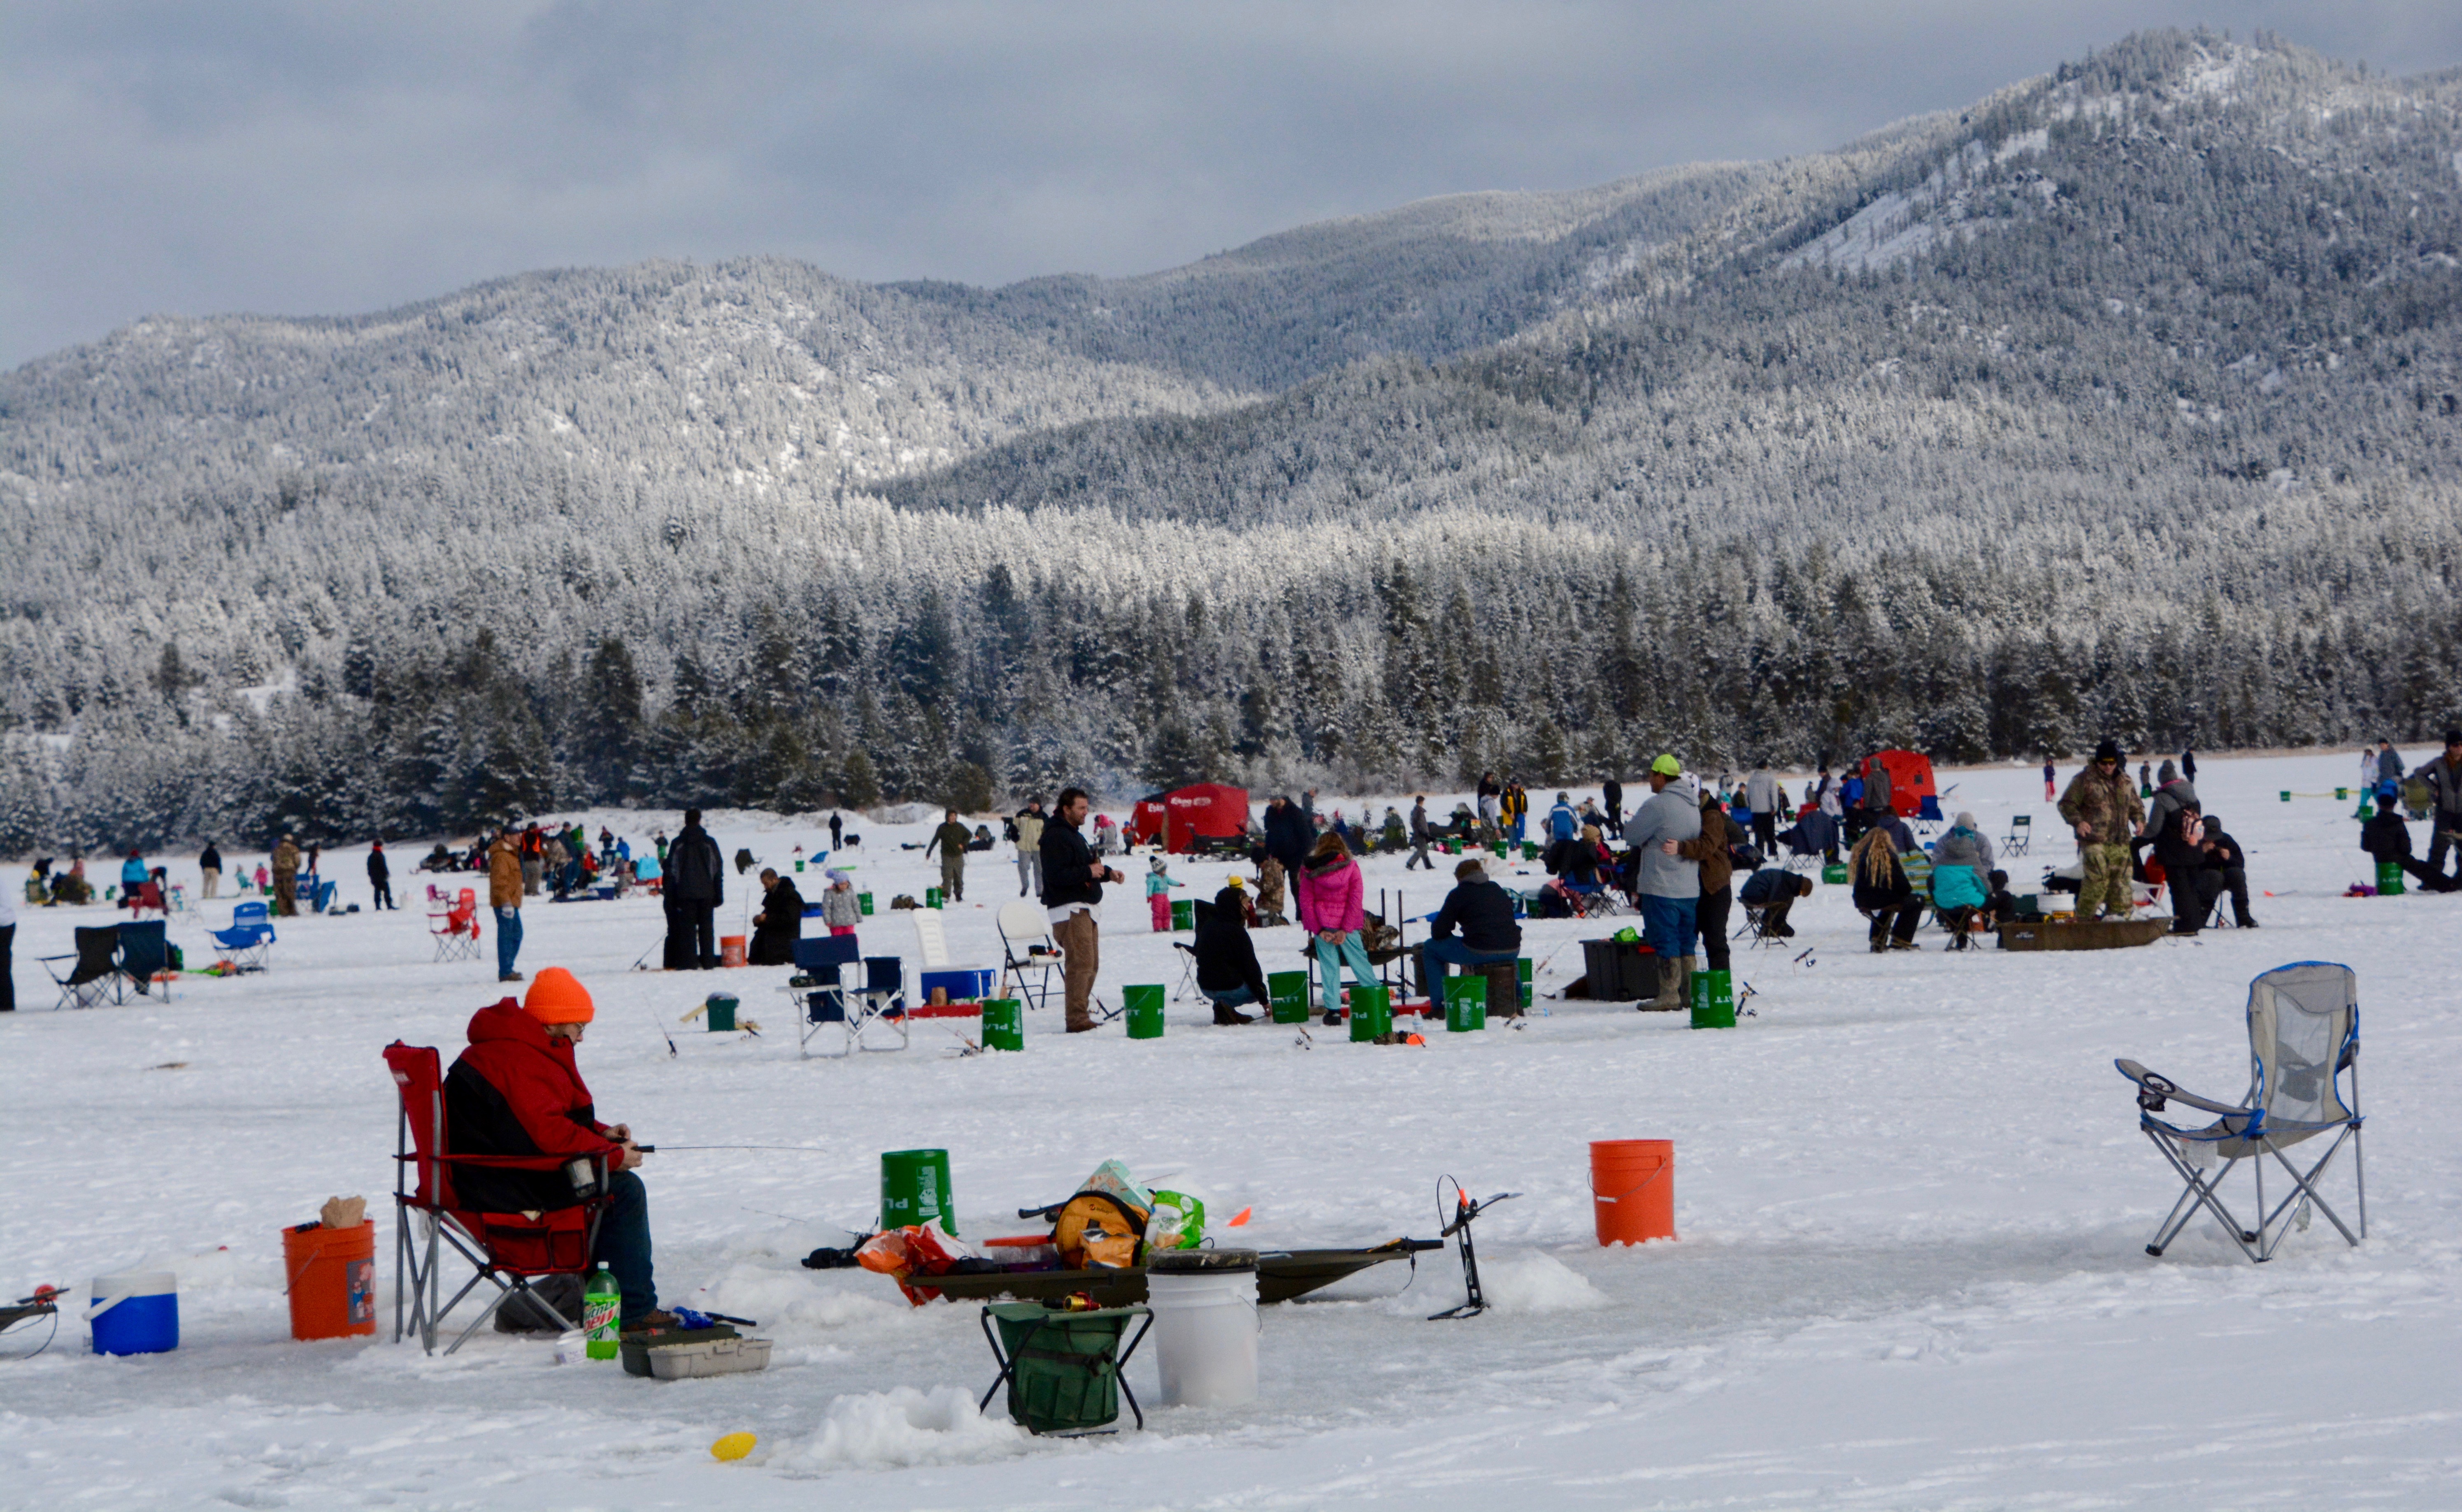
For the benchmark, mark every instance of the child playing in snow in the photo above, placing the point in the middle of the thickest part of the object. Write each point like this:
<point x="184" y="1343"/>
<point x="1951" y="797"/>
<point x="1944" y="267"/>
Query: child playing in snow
<point x="1158" y="886"/>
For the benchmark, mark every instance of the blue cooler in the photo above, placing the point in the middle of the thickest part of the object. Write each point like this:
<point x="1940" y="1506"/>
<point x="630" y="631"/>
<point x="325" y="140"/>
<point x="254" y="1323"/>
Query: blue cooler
<point x="136" y="1313"/>
<point x="966" y="984"/>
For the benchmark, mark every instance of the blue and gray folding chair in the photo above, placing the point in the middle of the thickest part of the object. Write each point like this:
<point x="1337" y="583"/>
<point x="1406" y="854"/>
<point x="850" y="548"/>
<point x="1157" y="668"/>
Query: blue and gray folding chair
<point x="145" y="955"/>
<point x="2303" y="1034"/>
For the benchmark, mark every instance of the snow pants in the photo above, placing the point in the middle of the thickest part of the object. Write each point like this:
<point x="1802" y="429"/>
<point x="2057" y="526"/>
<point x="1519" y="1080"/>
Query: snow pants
<point x="1331" y="956"/>
<point x="2107" y="884"/>
<point x="1159" y="904"/>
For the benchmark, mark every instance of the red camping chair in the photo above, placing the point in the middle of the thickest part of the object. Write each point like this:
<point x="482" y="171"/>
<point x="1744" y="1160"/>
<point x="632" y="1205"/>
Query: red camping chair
<point x="505" y="1249"/>
<point x="145" y="895"/>
<point x="456" y="933"/>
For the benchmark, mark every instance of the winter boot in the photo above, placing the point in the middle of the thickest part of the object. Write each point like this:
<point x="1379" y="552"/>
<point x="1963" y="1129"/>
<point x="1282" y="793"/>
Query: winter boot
<point x="1671" y="977"/>
<point x="1225" y="1014"/>
<point x="1684" y="982"/>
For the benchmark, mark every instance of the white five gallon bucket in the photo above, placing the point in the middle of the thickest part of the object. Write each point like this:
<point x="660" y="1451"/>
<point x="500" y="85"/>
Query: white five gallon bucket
<point x="1206" y="1325"/>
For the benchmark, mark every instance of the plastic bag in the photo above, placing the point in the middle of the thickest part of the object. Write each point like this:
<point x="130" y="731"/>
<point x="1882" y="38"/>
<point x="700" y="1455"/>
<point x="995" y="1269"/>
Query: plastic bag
<point x="1178" y="1222"/>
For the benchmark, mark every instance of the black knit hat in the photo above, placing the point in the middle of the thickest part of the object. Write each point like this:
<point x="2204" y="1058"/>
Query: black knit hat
<point x="2110" y="750"/>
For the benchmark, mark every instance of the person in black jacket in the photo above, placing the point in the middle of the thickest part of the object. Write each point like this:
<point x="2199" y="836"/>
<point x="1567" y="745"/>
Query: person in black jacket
<point x="210" y="861"/>
<point x="695" y="885"/>
<point x="1774" y="890"/>
<point x="779" y="924"/>
<point x="1882" y="894"/>
<point x="2387" y="837"/>
<point x="1481" y="911"/>
<point x="381" y="879"/>
<point x="2227" y="861"/>
<point x="1072" y="899"/>
<point x="1227" y="972"/>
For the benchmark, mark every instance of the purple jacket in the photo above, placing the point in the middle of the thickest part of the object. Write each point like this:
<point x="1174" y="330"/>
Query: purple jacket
<point x="1331" y="898"/>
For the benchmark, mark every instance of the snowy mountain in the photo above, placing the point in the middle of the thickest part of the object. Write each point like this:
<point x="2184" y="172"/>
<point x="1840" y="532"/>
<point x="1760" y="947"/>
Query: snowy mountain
<point x="2124" y="401"/>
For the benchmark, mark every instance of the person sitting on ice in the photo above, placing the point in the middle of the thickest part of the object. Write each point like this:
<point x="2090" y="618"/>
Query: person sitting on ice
<point x="517" y="1092"/>
<point x="2387" y="839"/>
<point x="779" y="924"/>
<point x="1483" y="913"/>
<point x="1774" y="890"/>
<point x="1227" y="972"/>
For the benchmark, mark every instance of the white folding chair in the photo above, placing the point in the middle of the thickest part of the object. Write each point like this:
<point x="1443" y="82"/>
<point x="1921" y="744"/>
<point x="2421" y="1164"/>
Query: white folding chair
<point x="2303" y="1034"/>
<point x="1028" y="954"/>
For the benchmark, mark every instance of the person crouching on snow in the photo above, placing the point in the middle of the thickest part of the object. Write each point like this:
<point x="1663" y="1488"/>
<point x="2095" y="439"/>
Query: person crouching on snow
<point x="517" y="1092"/>
<point x="1158" y="886"/>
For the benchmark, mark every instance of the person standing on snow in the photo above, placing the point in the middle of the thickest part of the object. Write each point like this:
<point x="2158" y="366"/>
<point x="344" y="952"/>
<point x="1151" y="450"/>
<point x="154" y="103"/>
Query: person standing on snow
<point x="210" y="861"/>
<point x="1419" y="836"/>
<point x="381" y="879"/>
<point x="2103" y="807"/>
<point x="1073" y="899"/>
<point x="1669" y="883"/>
<point x="2048" y="778"/>
<point x="1761" y="796"/>
<point x="1030" y="849"/>
<point x="286" y="878"/>
<point x="950" y="840"/>
<point x="504" y="896"/>
<point x="695" y="885"/>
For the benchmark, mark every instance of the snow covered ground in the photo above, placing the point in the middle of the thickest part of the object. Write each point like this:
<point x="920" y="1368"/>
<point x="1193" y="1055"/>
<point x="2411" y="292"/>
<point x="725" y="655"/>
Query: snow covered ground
<point x="1911" y="1196"/>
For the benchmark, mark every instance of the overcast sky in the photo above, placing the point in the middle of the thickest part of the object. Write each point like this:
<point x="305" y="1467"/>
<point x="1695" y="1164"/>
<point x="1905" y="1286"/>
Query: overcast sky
<point x="325" y="156"/>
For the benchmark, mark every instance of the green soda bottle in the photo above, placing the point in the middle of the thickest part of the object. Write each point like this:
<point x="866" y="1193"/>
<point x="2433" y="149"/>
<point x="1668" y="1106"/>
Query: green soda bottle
<point x="601" y="1301"/>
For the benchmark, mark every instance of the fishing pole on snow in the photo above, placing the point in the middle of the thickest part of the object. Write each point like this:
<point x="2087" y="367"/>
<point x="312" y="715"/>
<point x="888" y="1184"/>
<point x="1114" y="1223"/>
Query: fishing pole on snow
<point x="805" y="1149"/>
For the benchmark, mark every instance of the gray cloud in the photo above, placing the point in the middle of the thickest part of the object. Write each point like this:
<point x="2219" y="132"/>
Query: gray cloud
<point x="328" y="157"/>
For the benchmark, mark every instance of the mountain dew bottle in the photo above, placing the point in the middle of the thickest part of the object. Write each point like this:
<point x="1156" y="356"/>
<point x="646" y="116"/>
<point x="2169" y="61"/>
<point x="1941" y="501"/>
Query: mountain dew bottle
<point x="601" y="1300"/>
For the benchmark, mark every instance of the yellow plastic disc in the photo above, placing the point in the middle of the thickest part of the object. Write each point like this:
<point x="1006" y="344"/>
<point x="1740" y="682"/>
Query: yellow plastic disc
<point x="734" y="1446"/>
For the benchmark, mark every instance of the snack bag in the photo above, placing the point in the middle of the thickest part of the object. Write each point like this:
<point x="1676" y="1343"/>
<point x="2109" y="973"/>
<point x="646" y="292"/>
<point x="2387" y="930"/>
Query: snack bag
<point x="1179" y="1221"/>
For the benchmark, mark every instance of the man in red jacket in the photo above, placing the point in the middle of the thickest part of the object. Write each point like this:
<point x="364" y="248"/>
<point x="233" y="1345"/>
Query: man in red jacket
<point x="516" y="1090"/>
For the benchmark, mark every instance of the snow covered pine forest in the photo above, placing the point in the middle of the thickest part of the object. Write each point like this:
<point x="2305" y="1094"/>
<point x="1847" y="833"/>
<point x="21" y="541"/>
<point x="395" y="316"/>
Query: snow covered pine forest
<point x="2124" y="401"/>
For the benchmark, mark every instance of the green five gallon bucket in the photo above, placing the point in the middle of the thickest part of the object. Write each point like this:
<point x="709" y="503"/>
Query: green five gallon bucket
<point x="2388" y="879"/>
<point x="1144" y="1005"/>
<point x="914" y="1189"/>
<point x="1183" y="913"/>
<point x="1372" y="1013"/>
<point x="1714" y="1000"/>
<point x="1465" y="1003"/>
<point x="1290" y="991"/>
<point x="1003" y="1023"/>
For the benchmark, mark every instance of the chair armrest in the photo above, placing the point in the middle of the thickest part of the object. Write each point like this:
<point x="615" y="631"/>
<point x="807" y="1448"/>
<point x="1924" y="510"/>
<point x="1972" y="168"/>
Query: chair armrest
<point x="2164" y="1086"/>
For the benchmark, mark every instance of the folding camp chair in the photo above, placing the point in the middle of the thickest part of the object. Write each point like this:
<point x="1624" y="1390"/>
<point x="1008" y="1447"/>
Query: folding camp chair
<point x="504" y="1249"/>
<point x="1187" y="956"/>
<point x="247" y="945"/>
<point x="1028" y="954"/>
<point x="2020" y="837"/>
<point x="1757" y="925"/>
<point x="145" y="895"/>
<point x="145" y="955"/>
<point x="828" y="994"/>
<point x="93" y="970"/>
<point x="2303" y="1033"/>
<point x="456" y="932"/>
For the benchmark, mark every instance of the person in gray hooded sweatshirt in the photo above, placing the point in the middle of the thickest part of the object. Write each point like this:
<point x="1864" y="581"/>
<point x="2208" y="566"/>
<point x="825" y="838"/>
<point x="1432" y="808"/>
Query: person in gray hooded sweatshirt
<point x="1669" y="884"/>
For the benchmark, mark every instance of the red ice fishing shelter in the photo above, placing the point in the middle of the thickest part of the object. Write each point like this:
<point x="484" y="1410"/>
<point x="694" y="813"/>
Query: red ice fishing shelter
<point x="1210" y="810"/>
<point x="1910" y="790"/>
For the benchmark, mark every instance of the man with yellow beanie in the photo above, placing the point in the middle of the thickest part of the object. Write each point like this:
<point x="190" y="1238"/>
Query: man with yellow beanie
<point x="517" y="1092"/>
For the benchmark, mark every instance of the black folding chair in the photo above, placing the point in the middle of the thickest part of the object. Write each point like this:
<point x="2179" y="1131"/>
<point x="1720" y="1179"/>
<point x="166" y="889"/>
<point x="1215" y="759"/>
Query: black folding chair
<point x="94" y="972"/>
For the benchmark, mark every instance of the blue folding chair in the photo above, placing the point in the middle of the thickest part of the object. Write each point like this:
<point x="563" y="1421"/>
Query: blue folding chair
<point x="144" y="954"/>
<point x="820" y="990"/>
<point x="247" y="945"/>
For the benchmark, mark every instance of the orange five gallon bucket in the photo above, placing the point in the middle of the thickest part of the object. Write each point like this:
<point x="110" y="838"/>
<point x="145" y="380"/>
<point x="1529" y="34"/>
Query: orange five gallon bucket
<point x="730" y="950"/>
<point x="1632" y="1189"/>
<point x="333" y="1280"/>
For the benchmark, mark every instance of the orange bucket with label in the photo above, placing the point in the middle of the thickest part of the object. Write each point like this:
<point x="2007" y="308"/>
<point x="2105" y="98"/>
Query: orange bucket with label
<point x="1632" y="1190"/>
<point x="332" y="1276"/>
<point x="730" y="950"/>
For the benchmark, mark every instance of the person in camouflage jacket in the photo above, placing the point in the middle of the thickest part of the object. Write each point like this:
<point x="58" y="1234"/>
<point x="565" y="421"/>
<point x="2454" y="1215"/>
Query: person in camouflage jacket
<point x="2102" y="805"/>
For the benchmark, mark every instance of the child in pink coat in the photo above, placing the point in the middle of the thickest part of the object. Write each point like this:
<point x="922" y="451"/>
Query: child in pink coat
<point x="1331" y="900"/>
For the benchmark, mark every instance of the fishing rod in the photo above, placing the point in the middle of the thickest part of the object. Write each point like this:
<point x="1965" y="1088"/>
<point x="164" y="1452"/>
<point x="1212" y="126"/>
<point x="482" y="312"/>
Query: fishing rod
<point x="652" y="1148"/>
<point x="672" y="1051"/>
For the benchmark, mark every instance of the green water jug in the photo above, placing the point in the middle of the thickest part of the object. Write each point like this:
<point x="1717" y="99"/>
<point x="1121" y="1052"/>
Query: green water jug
<point x="1465" y="1003"/>
<point x="1144" y="1011"/>
<point x="1003" y="1023"/>
<point x="1288" y="990"/>
<point x="914" y="1189"/>
<point x="602" y="1306"/>
<point x="1372" y="1013"/>
<point x="1714" y="1000"/>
